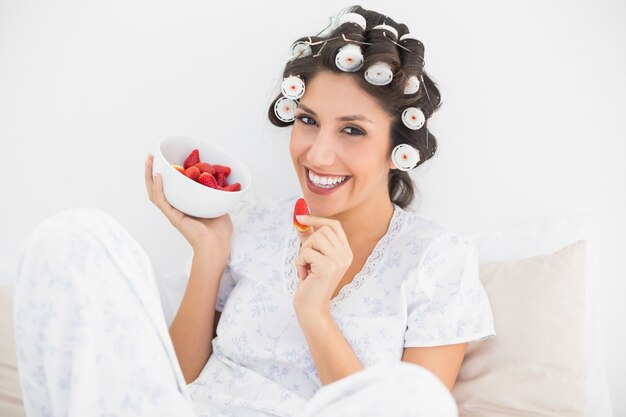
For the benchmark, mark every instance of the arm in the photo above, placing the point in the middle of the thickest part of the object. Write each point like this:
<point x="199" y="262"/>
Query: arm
<point x="444" y="361"/>
<point x="193" y="326"/>
<point x="333" y="356"/>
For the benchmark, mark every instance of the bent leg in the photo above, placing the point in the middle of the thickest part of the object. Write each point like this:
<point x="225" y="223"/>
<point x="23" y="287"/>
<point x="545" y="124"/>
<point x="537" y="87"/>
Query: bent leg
<point x="394" y="389"/>
<point x="90" y="334"/>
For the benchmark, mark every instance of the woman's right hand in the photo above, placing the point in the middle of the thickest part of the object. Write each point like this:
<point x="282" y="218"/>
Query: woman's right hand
<point x="209" y="236"/>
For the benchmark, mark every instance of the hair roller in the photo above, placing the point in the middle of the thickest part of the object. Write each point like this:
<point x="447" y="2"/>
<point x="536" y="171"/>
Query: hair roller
<point x="382" y="48"/>
<point x="304" y="44"/>
<point x="341" y="36"/>
<point x="415" y="55"/>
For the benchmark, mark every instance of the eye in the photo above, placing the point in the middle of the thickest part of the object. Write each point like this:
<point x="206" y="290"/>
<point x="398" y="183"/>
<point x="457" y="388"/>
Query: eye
<point x="356" y="132"/>
<point x="310" y="121"/>
<point x="304" y="119"/>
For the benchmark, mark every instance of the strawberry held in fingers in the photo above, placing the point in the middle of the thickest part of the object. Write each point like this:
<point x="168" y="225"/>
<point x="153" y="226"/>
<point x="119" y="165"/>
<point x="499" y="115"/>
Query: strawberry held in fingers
<point x="300" y="208"/>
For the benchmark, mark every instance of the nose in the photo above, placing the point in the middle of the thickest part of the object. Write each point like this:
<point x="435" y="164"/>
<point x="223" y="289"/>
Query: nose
<point x="322" y="150"/>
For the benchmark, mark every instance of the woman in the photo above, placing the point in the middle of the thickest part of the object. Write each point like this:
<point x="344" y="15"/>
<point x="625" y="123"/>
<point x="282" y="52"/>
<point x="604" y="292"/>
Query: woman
<point x="367" y="312"/>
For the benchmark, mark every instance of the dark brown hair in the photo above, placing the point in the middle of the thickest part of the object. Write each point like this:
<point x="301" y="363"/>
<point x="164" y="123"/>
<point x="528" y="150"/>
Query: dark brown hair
<point x="391" y="96"/>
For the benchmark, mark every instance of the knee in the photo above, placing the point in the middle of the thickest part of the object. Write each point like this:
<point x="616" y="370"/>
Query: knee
<point x="62" y="234"/>
<point x="73" y="218"/>
<point x="78" y="223"/>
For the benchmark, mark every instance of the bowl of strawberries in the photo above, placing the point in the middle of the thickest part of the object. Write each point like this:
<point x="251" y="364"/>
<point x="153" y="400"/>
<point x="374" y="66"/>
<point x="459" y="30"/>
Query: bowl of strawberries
<point x="200" y="179"/>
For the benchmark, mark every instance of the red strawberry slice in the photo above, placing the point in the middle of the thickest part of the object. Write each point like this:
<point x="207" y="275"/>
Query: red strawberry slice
<point x="193" y="173"/>
<point x="222" y="168"/>
<point x="221" y="179"/>
<point x="233" y="187"/>
<point x="208" y="180"/>
<point x="192" y="159"/>
<point x="206" y="167"/>
<point x="300" y="208"/>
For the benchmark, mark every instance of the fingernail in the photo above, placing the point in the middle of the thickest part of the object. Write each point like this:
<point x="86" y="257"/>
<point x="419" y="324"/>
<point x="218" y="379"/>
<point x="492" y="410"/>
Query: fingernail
<point x="301" y="217"/>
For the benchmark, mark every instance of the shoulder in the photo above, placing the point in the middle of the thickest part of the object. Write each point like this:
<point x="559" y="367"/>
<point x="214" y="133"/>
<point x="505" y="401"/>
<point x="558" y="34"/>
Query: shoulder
<point x="424" y="236"/>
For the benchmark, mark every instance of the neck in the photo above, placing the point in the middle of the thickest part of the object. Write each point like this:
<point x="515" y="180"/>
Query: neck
<point x="366" y="224"/>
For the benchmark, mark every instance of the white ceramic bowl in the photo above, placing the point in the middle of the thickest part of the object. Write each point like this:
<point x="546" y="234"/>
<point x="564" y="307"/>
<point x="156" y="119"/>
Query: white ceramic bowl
<point x="189" y="196"/>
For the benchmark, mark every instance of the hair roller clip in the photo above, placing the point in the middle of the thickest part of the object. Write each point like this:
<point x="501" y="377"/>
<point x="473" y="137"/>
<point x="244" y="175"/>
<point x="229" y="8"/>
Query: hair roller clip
<point x="405" y="157"/>
<point x="300" y="49"/>
<point x="409" y="36"/>
<point x="387" y="28"/>
<point x="412" y="85"/>
<point x="349" y="58"/>
<point x="293" y="87"/>
<point x="413" y="118"/>
<point x="285" y="109"/>
<point x="353" y="18"/>
<point x="379" y="73"/>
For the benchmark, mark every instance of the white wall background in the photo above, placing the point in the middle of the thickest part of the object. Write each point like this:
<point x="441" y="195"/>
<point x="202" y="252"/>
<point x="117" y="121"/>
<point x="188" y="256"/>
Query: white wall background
<point x="532" y="122"/>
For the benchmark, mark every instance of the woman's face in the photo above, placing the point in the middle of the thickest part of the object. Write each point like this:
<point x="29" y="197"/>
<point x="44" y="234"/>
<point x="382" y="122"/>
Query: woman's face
<point x="341" y="132"/>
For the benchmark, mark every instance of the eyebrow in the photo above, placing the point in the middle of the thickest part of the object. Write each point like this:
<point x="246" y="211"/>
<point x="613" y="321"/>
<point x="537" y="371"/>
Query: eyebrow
<point x="342" y="118"/>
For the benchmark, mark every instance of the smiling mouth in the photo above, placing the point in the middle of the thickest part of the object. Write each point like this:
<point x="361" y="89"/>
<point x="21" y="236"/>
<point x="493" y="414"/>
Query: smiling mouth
<point x="324" y="186"/>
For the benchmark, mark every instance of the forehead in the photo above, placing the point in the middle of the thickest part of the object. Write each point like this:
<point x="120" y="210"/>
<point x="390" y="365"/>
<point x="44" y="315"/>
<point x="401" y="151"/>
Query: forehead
<point x="340" y="94"/>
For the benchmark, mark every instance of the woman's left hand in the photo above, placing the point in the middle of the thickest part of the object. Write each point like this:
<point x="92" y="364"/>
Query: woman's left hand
<point x="324" y="258"/>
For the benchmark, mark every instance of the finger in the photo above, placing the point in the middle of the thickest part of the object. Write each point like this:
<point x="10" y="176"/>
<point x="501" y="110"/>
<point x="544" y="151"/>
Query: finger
<point x="319" y="242"/>
<point x="148" y="176"/>
<point x="331" y="235"/>
<point x="304" y="235"/>
<point x="321" y="221"/>
<point x="307" y="257"/>
<point x="170" y="212"/>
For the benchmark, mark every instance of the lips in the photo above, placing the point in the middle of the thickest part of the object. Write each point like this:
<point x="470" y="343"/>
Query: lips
<point x="307" y="169"/>
<point x="306" y="173"/>
<point x="320" y="190"/>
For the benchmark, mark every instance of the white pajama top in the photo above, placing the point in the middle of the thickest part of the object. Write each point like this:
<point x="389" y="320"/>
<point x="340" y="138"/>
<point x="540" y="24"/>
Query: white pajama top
<point x="419" y="287"/>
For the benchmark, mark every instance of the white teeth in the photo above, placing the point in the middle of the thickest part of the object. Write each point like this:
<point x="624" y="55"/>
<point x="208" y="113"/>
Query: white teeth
<point x="316" y="179"/>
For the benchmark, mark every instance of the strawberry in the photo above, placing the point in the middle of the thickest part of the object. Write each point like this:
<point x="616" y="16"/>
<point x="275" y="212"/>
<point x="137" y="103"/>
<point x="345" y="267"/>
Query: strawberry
<point x="300" y="208"/>
<point x="222" y="168"/>
<point x="179" y="168"/>
<point x="208" y="180"/>
<point x="192" y="159"/>
<point x="206" y="167"/>
<point x="192" y="172"/>
<point x="221" y="179"/>
<point x="233" y="187"/>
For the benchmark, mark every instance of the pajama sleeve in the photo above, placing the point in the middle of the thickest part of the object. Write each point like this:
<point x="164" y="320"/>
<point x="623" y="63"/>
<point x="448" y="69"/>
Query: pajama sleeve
<point x="226" y="286"/>
<point x="446" y="301"/>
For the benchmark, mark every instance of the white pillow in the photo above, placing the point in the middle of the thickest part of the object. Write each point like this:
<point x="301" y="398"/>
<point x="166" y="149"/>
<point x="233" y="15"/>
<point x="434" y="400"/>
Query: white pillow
<point x="545" y="236"/>
<point x="535" y="365"/>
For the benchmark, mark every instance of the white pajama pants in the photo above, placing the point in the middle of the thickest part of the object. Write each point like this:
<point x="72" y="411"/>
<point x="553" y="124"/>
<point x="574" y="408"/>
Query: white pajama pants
<point x="92" y="339"/>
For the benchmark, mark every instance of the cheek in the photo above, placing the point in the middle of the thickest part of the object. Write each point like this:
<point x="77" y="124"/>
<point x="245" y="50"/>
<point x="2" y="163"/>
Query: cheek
<point x="297" y="142"/>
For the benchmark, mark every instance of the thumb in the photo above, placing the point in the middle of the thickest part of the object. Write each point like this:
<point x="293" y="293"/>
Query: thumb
<point x="304" y="234"/>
